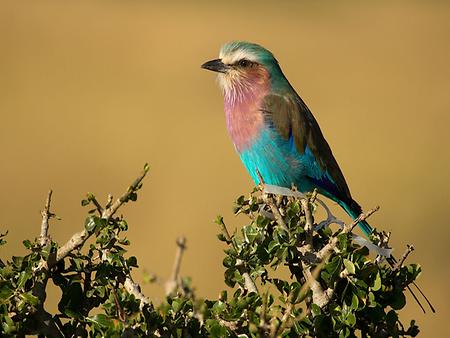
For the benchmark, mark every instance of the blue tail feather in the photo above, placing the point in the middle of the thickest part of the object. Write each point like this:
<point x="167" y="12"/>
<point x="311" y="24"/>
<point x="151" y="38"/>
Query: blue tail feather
<point x="354" y="211"/>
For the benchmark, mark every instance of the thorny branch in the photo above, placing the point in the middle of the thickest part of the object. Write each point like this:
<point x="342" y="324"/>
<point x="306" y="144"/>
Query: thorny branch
<point x="46" y="215"/>
<point x="79" y="238"/>
<point x="173" y="283"/>
<point x="409" y="249"/>
<point x="76" y="242"/>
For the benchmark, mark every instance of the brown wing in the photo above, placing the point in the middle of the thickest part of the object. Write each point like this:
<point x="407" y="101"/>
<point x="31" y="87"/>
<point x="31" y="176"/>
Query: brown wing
<point x="290" y="116"/>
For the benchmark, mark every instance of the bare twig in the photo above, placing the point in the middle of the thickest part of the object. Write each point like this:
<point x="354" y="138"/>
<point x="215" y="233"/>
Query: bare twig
<point x="46" y="215"/>
<point x="399" y="264"/>
<point x="173" y="283"/>
<point x="225" y="232"/>
<point x="91" y="197"/>
<point x="109" y="212"/>
<point x="79" y="238"/>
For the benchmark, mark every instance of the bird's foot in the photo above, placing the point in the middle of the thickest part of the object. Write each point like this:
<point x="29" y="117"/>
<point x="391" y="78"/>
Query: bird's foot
<point x="331" y="219"/>
<point x="381" y="252"/>
<point x="282" y="191"/>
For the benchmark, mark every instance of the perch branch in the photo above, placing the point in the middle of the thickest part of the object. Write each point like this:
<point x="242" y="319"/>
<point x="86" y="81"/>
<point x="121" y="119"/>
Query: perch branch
<point x="275" y="211"/>
<point x="269" y="201"/>
<point x="321" y="297"/>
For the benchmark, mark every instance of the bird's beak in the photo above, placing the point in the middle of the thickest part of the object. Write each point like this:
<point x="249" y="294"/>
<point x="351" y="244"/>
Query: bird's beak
<point x="216" y="66"/>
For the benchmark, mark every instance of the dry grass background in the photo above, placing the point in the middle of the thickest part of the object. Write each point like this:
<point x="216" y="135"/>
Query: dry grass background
<point x="90" y="91"/>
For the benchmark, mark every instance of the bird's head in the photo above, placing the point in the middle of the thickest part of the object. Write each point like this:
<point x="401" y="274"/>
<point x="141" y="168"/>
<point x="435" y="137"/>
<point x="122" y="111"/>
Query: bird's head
<point x="243" y="67"/>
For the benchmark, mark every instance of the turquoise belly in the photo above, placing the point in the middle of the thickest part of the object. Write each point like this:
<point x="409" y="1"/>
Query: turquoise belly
<point x="278" y="162"/>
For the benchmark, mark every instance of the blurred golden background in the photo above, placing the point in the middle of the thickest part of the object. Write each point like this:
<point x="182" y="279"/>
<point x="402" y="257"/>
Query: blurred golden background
<point x="91" y="90"/>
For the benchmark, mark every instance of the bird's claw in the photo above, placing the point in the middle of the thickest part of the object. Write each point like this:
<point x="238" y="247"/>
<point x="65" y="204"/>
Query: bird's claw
<point x="282" y="191"/>
<point x="331" y="219"/>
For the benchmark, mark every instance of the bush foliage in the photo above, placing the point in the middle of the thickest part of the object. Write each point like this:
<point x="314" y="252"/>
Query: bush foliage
<point x="333" y="288"/>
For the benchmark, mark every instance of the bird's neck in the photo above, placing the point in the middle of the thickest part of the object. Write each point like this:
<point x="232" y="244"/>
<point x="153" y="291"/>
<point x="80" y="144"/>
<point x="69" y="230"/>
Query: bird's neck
<point x="243" y="101"/>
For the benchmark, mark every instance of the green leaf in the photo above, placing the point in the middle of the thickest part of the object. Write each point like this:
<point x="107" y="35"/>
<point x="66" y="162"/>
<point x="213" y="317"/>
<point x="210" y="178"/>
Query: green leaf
<point x="29" y="298"/>
<point x="176" y="305"/>
<point x="351" y="319"/>
<point x="221" y="237"/>
<point x="349" y="266"/>
<point x="6" y="291"/>
<point x="273" y="246"/>
<point x="250" y="233"/>
<point x="218" y="307"/>
<point x="71" y="300"/>
<point x="214" y="329"/>
<point x="27" y="244"/>
<point x="101" y="320"/>
<point x="398" y="300"/>
<point x="342" y="242"/>
<point x="23" y="277"/>
<point x="315" y="310"/>
<point x="372" y="302"/>
<point x="391" y="319"/>
<point x="355" y="302"/>
<point x="132" y="262"/>
<point x="294" y="292"/>
<point x="133" y="197"/>
<point x="8" y="326"/>
<point x="17" y="261"/>
<point x="219" y="220"/>
<point x="89" y="224"/>
<point x="377" y="283"/>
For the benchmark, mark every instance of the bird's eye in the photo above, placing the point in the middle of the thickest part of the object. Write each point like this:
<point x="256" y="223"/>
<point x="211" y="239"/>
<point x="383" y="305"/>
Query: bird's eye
<point x="244" y="63"/>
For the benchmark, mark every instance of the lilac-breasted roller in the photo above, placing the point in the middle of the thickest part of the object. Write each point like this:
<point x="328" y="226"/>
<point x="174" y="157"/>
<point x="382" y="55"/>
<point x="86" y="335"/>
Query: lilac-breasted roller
<point x="274" y="132"/>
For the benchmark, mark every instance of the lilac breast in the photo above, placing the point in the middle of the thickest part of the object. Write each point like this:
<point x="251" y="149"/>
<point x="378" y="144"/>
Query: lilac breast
<point x="245" y="121"/>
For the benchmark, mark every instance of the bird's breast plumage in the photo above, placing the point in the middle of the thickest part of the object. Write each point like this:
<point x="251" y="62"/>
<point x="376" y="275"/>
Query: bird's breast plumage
<point x="243" y="100"/>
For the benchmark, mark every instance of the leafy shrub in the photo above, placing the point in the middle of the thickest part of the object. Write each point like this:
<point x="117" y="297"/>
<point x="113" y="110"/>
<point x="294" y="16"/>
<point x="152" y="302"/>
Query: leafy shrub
<point x="335" y="289"/>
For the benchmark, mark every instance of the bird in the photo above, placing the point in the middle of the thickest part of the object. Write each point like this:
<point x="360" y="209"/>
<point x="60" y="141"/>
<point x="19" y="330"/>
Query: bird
<point x="274" y="132"/>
